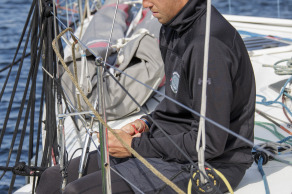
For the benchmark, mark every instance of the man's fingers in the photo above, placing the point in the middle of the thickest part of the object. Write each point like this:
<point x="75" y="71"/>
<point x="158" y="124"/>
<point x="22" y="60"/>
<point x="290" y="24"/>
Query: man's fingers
<point x="97" y="134"/>
<point x="137" y="135"/>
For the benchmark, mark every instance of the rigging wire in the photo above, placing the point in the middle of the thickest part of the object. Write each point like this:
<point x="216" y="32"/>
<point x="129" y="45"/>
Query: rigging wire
<point x="11" y="102"/>
<point x="111" y="33"/>
<point x="32" y="76"/>
<point x="16" y="52"/>
<point x="12" y="64"/>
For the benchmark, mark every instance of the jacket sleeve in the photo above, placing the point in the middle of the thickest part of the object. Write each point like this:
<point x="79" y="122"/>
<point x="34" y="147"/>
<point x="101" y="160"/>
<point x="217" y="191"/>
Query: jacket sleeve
<point x="221" y="70"/>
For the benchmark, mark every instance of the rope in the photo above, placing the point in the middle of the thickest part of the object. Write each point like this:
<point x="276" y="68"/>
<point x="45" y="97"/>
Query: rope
<point x="30" y="107"/>
<point x="224" y="180"/>
<point x="24" y="170"/>
<point x="82" y="20"/>
<point x="201" y="190"/>
<point x="16" y="53"/>
<point x="274" y="131"/>
<point x="260" y="168"/>
<point x="284" y="110"/>
<point x="75" y="73"/>
<point x="15" y="84"/>
<point x="269" y="119"/>
<point x="267" y="103"/>
<point x="145" y="162"/>
<point x="10" y="105"/>
<point x="38" y="135"/>
<point x="201" y="139"/>
<point x="282" y="70"/>
<point x="15" y="62"/>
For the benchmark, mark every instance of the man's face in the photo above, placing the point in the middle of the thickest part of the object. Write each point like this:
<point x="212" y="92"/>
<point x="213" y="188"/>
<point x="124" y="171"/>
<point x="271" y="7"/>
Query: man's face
<point x="164" y="10"/>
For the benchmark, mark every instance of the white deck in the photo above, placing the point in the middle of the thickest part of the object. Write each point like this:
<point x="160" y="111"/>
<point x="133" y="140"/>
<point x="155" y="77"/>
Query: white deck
<point x="279" y="175"/>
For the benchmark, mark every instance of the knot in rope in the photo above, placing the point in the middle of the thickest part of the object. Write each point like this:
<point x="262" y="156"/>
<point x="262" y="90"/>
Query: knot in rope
<point x="284" y="69"/>
<point x="23" y="170"/>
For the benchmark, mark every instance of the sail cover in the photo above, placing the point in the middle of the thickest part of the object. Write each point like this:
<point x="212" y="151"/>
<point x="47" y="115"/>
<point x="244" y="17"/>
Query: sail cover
<point x="137" y="55"/>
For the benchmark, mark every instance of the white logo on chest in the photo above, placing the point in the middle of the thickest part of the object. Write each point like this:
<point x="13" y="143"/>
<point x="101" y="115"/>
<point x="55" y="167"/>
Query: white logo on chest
<point x="174" y="82"/>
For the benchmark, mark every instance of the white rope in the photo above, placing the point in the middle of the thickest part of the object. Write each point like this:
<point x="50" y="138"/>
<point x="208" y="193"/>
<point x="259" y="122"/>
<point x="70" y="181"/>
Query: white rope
<point x="88" y="8"/>
<point x="201" y="139"/>
<point x="67" y="17"/>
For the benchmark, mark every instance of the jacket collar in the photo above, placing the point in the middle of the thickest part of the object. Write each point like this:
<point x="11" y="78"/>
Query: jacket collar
<point x="187" y="15"/>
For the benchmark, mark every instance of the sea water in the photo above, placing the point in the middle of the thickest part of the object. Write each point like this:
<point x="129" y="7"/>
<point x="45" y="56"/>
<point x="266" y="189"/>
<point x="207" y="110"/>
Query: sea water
<point x="13" y="14"/>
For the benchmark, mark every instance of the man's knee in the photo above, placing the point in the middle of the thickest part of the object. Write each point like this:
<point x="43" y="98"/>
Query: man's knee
<point x="71" y="188"/>
<point x="50" y="181"/>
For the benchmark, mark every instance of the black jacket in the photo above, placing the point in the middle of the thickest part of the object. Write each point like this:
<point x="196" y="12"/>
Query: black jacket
<point x="230" y="90"/>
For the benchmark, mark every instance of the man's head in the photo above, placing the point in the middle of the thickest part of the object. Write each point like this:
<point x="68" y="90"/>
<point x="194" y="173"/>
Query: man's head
<point x="164" y="10"/>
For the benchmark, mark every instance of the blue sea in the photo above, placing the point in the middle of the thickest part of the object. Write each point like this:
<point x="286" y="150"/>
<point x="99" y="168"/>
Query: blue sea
<point x="13" y="14"/>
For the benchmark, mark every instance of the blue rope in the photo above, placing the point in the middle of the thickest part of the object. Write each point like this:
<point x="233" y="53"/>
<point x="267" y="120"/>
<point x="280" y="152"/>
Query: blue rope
<point x="260" y="168"/>
<point x="267" y="103"/>
<point x="285" y="139"/>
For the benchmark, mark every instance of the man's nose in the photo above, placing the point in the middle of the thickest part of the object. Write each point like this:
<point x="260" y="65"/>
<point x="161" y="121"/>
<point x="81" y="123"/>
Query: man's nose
<point x="147" y="3"/>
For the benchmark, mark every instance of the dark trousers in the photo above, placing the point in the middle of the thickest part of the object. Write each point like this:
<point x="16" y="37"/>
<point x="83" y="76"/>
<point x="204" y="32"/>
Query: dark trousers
<point x="91" y="182"/>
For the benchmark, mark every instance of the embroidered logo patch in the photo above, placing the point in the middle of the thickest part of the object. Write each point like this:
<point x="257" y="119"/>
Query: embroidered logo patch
<point x="174" y="82"/>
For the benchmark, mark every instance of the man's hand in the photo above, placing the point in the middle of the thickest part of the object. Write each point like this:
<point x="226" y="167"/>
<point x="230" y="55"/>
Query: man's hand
<point x="138" y="124"/>
<point x="115" y="147"/>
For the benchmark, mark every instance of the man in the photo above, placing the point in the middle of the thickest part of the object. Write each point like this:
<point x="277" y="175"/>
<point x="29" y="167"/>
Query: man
<point x="230" y="102"/>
